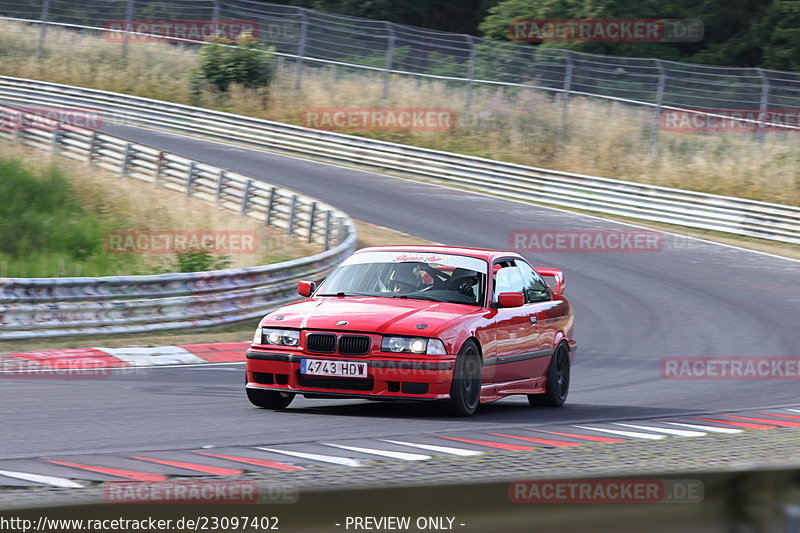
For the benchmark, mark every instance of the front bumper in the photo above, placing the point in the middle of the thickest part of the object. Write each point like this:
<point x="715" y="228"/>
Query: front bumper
<point x="387" y="377"/>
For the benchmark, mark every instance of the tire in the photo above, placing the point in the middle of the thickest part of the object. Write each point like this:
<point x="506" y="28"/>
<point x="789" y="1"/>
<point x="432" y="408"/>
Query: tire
<point x="557" y="386"/>
<point x="270" y="399"/>
<point x="465" y="389"/>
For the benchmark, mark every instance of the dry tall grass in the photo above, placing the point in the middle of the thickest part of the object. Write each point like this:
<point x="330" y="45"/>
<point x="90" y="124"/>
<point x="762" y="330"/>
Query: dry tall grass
<point x="522" y="126"/>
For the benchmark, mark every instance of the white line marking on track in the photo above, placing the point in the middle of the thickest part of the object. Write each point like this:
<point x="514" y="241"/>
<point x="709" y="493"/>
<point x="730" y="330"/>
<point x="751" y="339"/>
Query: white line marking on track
<point x="677" y="432"/>
<point x="434" y="448"/>
<point x="794" y="410"/>
<point x="632" y="434"/>
<point x="710" y="429"/>
<point x="345" y="461"/>
<point x="46" y="480"/>
<point x="383" y="453"/>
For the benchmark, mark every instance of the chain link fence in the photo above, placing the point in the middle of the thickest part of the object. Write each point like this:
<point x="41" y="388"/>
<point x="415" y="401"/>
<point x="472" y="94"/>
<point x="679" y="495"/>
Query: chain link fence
<point x="312" y="39"/>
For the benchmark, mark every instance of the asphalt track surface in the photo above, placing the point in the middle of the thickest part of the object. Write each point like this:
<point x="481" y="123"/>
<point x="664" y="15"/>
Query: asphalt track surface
<point x="632" y="309"/>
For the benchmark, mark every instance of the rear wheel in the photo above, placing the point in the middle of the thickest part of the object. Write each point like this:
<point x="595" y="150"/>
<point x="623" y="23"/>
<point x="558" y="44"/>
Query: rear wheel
<point x="557" y="386"/>
<point x="270" y="399"/>
<point x="465" y="390"/>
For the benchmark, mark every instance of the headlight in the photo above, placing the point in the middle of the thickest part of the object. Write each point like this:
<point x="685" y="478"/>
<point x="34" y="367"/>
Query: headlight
<point x="413" y="345"/>
<point x="277" y="337"/>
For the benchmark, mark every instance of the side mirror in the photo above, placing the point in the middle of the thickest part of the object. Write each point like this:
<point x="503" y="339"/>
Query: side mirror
<point x="306" y="288"/>
<point x="558" y="279"/>
<point x="511" y="299"/>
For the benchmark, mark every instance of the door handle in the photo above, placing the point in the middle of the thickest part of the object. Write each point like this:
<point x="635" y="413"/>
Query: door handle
<point x="534" y="320"/>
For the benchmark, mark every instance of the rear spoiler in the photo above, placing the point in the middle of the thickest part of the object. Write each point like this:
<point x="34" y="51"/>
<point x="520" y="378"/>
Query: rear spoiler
<point x="558" y="275"/>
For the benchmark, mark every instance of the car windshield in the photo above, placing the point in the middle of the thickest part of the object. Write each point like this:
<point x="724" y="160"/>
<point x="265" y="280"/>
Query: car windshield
<point x="412" y="275"/>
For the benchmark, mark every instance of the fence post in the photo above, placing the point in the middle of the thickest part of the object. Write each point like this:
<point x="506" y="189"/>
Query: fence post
<point x="763" y="105"/>
<point x="128" y="22"/>
<point x="662" y="80"/>
<point x="387" y="73"/>
<point x="17" y="125"/>
<point x="327" y="240"/>
<point x="92" y="146"/>
<point x="56" y="138"/>
<point x="271" y="206"/>
<point x="159" y="166"/>
<point x="190" y="178"/>
<point x="341" y="227"/>
<point x="292" y="215"/>
<point x="126" y="155"/>
<point x="43" y="27"/>
<point x="565" y="95"/>
<point x="220" y="186"/>
<point x="301" y="49"/>
<point x="311" y="221"/>
<point x="246" y="196"/>
<point x="471" y="77"/>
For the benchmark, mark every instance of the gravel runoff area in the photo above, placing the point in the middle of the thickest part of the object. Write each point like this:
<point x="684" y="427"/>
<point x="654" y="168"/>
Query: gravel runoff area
<point x="772" y="449"/>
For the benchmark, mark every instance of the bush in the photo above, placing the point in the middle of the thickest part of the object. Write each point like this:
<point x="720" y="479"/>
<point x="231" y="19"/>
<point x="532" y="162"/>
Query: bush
<point x="199" y="261"/>
<point x="245" y="60"/>
<point x="45" y="232"/>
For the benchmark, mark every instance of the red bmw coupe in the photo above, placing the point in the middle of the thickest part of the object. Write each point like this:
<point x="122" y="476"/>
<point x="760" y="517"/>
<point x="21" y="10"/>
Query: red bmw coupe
<point x="463" y="325"/>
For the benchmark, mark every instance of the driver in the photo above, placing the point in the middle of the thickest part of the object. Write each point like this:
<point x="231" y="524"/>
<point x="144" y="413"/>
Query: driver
<point x="405" y="278"/>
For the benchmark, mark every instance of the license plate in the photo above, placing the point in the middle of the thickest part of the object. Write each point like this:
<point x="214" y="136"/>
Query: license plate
<point x="339" y="369"/>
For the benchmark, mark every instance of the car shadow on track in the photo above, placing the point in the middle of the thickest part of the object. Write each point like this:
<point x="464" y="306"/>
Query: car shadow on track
<point x="504" y="411"/>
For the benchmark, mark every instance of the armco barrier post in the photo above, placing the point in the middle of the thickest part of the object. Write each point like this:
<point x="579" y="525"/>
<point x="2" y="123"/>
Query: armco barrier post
<point x="312" y="216"/>
<point x="56" y="139"/>
<point x="246" y="196"/>
<point x="220" y="186"/>
<point x="270" y="206"/>
<point x="292" y="215"/>
<point x="190" y="178"/>
<point x="125" y="161"/>
<point x="327" y="237"/>
<point x="92" y="148"/>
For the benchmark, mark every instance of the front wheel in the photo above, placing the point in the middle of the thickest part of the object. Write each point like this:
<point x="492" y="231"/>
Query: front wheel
<point x="270" y="399"/>
<point x="557" y="386"/>
<point x="465" y="390"/>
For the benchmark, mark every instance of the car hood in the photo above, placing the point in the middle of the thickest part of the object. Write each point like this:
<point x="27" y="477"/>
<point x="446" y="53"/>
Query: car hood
<point x="397" y="316"/>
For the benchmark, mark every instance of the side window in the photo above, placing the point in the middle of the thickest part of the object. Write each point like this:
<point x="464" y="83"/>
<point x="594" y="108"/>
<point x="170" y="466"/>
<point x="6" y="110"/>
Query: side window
<point x="508" y="279"/>
<point x="536" y="290"/>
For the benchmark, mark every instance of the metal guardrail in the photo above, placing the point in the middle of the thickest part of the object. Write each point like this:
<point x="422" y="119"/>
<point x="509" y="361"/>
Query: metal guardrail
<point x="603" y="195"/>
<point x="42" y="307"/>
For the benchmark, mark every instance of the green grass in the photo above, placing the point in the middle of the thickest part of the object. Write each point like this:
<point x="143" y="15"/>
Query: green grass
<point x="44" y="231"/>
